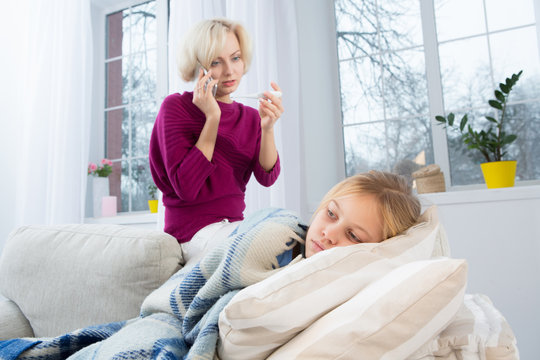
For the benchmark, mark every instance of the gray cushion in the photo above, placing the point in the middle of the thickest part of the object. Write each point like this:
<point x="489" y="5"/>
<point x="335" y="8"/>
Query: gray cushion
<point x="13" y="324"/>
<point x="71" y="276"/>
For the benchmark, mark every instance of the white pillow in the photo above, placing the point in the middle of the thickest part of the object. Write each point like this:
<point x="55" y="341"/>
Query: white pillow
<point x="264" y="316"/>
<point x="390" y="318"/>
<point x="477" y="331"/>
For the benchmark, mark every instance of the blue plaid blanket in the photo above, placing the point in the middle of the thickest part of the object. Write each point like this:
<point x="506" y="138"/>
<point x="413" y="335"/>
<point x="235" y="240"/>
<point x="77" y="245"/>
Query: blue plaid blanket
<point x="179" y="320"/>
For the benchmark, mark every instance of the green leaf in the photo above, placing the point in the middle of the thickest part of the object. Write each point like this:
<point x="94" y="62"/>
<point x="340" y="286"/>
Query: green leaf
<point x="504" y="88"/>
<point x="440" y="119"/>
<point x="499" y="95"/>
<point x="495" y="104"/>
<point x="451" y="119"/>
<point x="493" y="120"/>
<point x="508" y="139"/>
<point x="463" y="123"/>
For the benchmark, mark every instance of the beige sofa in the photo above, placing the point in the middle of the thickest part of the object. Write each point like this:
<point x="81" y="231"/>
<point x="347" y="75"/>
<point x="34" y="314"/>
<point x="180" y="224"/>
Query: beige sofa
<point x="55" y="279"/>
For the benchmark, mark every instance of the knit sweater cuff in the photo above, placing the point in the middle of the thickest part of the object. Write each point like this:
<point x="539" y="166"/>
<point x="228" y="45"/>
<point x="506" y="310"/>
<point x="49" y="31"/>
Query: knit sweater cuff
<point x="267" y="178"/>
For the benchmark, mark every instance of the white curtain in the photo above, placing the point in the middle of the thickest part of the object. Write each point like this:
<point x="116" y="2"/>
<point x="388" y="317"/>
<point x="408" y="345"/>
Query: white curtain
<point x="272" y="26"/>
<point x="50" y="68"/>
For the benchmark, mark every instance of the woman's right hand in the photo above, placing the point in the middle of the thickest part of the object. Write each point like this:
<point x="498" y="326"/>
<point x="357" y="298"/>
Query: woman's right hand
<point x="203" y="97"/>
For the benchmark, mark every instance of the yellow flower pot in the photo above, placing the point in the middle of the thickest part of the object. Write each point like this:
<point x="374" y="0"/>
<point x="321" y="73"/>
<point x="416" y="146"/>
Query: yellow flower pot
<point x="153" y="205"/>
<point x="499" y="174"/>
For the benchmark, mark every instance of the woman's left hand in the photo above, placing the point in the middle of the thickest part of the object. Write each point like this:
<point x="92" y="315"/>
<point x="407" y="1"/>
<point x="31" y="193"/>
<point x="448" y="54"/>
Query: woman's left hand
<point x="270" y="108"/>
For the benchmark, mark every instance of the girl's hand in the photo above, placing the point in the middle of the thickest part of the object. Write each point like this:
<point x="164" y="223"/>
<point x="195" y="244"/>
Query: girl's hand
<point x="270" y="108"/>
<point x="203" y="98"/>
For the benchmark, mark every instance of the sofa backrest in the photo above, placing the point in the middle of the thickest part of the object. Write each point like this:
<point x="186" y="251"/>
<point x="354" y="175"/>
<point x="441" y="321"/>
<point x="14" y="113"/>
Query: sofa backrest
<point x="71" y="276"/>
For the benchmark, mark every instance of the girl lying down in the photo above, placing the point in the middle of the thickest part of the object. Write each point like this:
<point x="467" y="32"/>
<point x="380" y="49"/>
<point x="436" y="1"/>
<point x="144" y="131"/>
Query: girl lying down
<point x="364" y="208"/>
<point x="180" y="319"/>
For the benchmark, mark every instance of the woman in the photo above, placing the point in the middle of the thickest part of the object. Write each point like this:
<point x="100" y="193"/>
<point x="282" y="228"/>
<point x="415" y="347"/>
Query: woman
<point x="204" y="147"/>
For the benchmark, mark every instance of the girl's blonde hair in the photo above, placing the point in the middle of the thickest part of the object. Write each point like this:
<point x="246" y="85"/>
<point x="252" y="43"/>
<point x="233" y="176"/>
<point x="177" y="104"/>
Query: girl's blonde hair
<point x="204" y="42"/>
<point x="398" y="206"/>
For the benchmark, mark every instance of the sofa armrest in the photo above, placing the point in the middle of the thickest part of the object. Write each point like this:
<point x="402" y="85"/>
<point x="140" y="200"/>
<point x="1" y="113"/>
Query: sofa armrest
<point x="13" y="324"/>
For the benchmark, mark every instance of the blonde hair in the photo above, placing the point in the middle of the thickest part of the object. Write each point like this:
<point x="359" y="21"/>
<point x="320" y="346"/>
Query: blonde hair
<point x="398" y="206"/>
<point x="204" y="42"/>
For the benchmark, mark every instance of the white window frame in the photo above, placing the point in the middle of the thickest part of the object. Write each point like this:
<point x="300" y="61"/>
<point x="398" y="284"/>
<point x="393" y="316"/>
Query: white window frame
<point x="100" y="9"/>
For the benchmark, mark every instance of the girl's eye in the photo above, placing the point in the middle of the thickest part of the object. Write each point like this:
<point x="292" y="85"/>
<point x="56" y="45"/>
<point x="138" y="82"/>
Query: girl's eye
<point x="353" y="237"/>
<point x="236" y="58"/>
<point x="214" y="63"/>
<point x="331" y="214"/>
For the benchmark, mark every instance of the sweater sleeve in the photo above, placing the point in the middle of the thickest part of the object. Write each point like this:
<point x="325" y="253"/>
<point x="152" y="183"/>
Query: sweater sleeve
<point x="185" y="165"/>
<point x="266" y="178"/>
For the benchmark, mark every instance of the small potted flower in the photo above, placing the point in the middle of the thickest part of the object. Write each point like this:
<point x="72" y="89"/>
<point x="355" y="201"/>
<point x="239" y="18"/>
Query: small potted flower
<point x="100" y="183"/>
<point x="152" y="202"/>
<point x="492" y="140"/>
<point x="102" y="170"/>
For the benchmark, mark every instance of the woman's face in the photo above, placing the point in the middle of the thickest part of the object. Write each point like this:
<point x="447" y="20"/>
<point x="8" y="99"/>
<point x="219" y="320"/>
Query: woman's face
<point x="345" y="221"/>
<point x="228" y="68"/>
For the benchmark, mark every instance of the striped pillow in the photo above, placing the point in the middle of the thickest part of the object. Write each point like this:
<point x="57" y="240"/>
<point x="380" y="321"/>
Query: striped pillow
<point x="266" y="315"/>
<point x="478" y="330"/>
<point x="390" y="318"/>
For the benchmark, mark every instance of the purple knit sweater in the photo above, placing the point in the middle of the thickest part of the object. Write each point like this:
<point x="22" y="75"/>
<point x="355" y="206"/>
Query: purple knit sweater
<point x="198" y="192"/>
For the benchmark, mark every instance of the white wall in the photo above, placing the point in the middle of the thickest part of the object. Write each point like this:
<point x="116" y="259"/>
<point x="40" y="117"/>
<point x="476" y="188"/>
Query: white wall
<point x="320" y="109"/>
<point x="498" y="233"/>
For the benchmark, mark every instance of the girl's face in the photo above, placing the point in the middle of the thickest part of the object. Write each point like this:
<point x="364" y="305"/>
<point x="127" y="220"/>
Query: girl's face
<point x="228" y="68"/>
<point x="345" y="221"/>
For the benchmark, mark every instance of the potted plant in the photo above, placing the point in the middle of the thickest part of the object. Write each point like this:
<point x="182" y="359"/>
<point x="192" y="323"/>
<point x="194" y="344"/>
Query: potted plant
<point x="100" y="183"/>
<point x="152" y="202"/>
<point x="493" y="141"/>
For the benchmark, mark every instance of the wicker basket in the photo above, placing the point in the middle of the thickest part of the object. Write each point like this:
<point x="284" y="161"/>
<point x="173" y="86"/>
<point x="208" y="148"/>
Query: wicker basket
<point x="429" y="179"/>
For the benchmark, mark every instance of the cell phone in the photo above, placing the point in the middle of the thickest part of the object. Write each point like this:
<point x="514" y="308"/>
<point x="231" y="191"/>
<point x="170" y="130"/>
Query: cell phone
<point x="214" y="89"/>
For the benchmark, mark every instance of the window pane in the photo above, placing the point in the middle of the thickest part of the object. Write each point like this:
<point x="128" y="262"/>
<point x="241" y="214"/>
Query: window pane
<point x="361" y="98"/>
<point x="400" y="23"/>
<point x="143" y="27"/>
<point x="409" y="139"/>
<point x="116" y="137"/>
<point x="115" y="34"/>
<point x="116" y="83"/>
<point x="382" y="91"/>
<point x="465" y="69"/>
<point x="459" y="18"/>
<point x="405" y="84"/>
<point x="526" y="148"/>
<point x="506" y="14"/>
<point x="143" y="76"/>
<point x="125" y="187"/>
<point x="356" y="30"/>
<point x="359" y="24"/>
<point x="140" y="179"/>
<point x="115" y="180"/>
<point x="365" y="148"/>
<point x="464" y="163"/>
<point x="510" y="56"/>
<point x="144" y="115"/>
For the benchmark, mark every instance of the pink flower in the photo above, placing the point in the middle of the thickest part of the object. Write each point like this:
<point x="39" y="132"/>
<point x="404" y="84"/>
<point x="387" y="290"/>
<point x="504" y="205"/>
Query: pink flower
<point x="92" y="167"/>
<point x="106" y="162"/>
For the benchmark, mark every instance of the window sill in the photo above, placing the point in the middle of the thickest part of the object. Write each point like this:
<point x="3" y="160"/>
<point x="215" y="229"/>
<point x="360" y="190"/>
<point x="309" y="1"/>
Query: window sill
<point x="528" y="192"/>
<point x="134" y="218"/>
